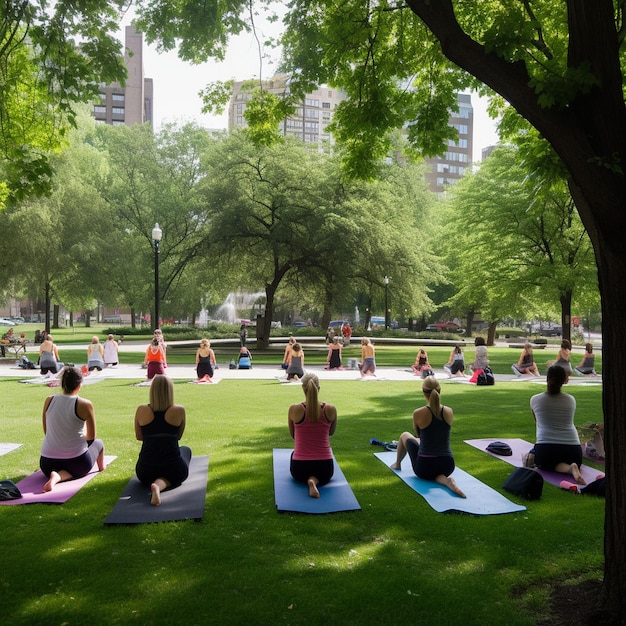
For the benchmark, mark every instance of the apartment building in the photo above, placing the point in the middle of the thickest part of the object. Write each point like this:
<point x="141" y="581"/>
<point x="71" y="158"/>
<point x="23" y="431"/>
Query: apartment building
<point x="133" y="102"/>
<point x="448" y="168"/>
<point x="310" y="120"/>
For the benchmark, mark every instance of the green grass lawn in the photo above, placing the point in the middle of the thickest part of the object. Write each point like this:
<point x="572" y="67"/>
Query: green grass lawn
<point x="394" y="562"/>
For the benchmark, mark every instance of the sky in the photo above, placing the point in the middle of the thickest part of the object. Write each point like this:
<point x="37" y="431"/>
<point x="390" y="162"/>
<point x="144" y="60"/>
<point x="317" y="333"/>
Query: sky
<point x="177" y="83"/>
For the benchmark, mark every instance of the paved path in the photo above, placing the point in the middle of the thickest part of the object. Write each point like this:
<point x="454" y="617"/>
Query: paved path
<point x="269" y="372"/>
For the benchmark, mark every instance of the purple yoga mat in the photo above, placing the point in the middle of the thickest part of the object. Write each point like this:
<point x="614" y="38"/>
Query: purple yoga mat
<point x="519" y="447"/>
<point x="31" y="488"/>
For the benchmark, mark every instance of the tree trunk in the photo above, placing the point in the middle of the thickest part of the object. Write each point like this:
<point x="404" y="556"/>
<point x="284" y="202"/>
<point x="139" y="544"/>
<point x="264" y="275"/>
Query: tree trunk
<point x="470" y="323"/>
<point x="491" y="333"/>
<point x="133" y="322"/>
<point x="47" y="307"/>
<point x="608" y="246"/>
<point x="566" y="315"/>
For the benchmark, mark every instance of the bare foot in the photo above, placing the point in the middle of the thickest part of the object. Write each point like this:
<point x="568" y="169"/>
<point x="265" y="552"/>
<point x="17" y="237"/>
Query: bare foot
<point x="578" y="477"/>
<point x="450" y="483"/>
<point x="313" y="491"/>
<point x="54" y="479"/>
<point x="155" y="500"/>
<point x="395" y="466"/>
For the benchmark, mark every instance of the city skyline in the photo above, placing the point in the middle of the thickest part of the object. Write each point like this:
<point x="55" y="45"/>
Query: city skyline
<point x="177" y="83"/>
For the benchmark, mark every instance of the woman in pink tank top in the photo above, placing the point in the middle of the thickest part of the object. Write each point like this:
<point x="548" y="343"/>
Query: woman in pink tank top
<point x="311" y="424"/>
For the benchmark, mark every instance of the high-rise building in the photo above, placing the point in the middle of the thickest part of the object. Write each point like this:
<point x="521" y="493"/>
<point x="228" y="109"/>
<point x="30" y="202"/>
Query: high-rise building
<point x="132" y="103"/>
<point x="448" y="168"/>
<point x="309" y="121"/>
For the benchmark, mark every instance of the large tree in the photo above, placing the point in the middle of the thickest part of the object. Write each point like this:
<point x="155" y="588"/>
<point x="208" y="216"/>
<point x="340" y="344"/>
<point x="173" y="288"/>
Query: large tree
<point x="285" y="214"/>
<point x="52" y="56"/>
<point x="558" y="63"/>
<point x="526" y="249"/>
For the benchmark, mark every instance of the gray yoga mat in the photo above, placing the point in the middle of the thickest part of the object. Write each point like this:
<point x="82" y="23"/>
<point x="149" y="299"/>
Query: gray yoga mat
<point x="184" y="502"/>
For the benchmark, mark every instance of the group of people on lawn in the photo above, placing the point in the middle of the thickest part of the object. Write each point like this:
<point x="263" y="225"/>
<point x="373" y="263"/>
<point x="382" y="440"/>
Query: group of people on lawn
<point x="71" y="448"/>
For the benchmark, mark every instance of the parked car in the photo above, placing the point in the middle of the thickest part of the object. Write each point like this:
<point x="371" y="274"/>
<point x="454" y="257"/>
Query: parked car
<point x="5" y="322"/>
<point x="555" y="331"/>
<point x="445" y="327"/>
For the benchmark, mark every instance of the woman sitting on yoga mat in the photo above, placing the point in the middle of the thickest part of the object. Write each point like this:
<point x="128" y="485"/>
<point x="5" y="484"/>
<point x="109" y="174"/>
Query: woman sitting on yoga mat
<point x="558" y="447"/>
<point x="430" y="454"/>
<point x="70" y="447"/>
<point x="162" y="464"/>
<point x="310" y="424"/>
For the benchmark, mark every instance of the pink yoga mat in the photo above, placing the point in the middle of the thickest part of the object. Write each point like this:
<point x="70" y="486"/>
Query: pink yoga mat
<point x="519" y="447"/>
<point x="31" y="488"/>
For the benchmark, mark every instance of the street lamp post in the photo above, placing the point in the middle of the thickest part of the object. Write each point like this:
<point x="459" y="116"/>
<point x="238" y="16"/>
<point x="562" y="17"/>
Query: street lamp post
<point x="386" y="280"/>
<point x="157" y="234"/>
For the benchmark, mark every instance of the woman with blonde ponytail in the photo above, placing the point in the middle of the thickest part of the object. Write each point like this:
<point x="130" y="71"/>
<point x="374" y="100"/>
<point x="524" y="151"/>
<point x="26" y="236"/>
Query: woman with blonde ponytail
<point x="430" y="453"/>
<point x="311" y="424"/>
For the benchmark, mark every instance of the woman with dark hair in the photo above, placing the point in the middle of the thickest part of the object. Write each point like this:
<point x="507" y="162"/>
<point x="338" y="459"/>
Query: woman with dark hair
<point x="70" y="447"/>
<point x="563" y="356"/>
<point x="430" y="453"/>
<point x="586" y="367"/>
<point x="295" y="369"/>
<point x="557" y="446"/>
<point x="155" y="359"/>
<point x="481" y="359"/>
<point x="311" y="423"/>
<point x="455" y="367"/>
<point x="162" y="463"/>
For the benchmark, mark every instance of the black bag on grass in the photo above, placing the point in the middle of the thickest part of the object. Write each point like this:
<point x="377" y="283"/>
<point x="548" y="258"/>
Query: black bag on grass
<point x="9" y="490"/>
<point x="486" y="377"/>
<point x="525" y="482"/>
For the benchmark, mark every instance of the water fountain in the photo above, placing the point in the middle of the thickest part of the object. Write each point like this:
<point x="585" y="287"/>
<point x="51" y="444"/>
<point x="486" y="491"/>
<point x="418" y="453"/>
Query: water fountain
<point x="236" y="302"/>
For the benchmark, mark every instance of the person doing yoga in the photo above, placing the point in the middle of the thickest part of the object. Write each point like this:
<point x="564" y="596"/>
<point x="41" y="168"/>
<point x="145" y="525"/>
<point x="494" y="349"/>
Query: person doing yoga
<point x="70" y="447"/>
<point x="430" y="453"/>
<point x="311" y="423"/>
<point x="557" y="446"/>
<point x="162" y="464"/>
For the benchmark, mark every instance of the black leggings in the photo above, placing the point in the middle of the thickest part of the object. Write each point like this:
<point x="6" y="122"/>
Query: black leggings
<point x="303" y="470"/>
<point x="428" y="467"/>
<point x="175" y="473"/>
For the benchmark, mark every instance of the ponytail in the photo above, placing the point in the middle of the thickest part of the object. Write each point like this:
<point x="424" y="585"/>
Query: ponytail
<point x="311" y="387"/>
<point x="431" y="388"/>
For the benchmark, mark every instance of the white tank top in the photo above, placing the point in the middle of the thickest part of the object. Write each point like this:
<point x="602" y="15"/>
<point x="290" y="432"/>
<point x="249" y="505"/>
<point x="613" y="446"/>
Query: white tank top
<point x="65" y="431"/>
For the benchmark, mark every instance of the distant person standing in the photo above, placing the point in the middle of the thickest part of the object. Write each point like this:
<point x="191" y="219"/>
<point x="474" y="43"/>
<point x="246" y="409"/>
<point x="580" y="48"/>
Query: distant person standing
<point x="111" y="352"/>
<point x="346" y="331"/>
<point x="243" y="335"/>
<point x="368" y="358"/>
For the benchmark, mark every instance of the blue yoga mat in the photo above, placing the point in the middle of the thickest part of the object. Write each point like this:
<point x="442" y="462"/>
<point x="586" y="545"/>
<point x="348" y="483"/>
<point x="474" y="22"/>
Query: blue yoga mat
<point x="184" y="502"/>
<point x="481" y="499"/>
<point x="293" y="497"/>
